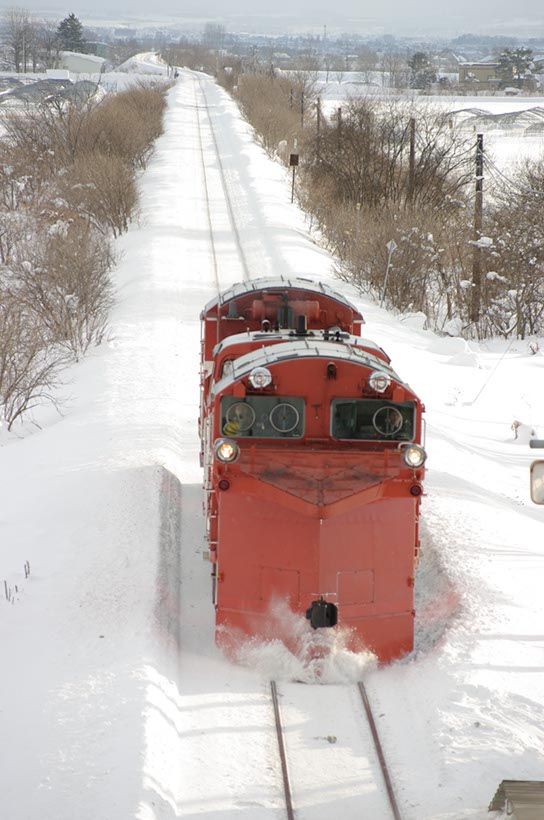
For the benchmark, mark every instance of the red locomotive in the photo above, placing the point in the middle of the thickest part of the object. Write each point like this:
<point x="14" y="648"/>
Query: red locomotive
<point x="313" y="466"/>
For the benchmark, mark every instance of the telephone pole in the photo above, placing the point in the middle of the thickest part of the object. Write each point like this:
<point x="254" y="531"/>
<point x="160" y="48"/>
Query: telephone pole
<point x="478" y="222"/>
<point x="412" y="161"/>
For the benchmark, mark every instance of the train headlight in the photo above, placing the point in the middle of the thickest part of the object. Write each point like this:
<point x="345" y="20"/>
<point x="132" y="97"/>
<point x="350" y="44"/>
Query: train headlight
<point x="414" y="455"/>
<point x="260" y="377"/>
<point x="379" y="381"/>
<point x="226" y="450"/>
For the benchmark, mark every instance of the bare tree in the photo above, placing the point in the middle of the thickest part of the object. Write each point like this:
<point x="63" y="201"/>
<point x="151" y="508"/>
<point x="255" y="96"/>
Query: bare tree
<point x="213" y="36"/>
<point x="63" y="282"/>
<point x="367" y="155"/>
<point x="367" y="62"/>
<point x="46" y="44"/>
<point x="29" y="367"/>
<point x="513" y="289"/>
<point x="395" y="73"/>
<point x="18" y="35"/>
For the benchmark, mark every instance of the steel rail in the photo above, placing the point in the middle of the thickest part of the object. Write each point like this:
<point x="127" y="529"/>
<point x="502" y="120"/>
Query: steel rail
<point x="281" y="748"/>
<point x="379" y="752"/>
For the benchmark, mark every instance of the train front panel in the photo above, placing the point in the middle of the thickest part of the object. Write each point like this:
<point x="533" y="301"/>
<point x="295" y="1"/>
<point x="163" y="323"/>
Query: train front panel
<point x="316" y="502"/>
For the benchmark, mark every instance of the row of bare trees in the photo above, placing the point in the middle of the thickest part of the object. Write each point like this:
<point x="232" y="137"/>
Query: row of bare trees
<point x="28" y="42"/>
<point x="380" y="170"/>
<point x="67" y="187"/>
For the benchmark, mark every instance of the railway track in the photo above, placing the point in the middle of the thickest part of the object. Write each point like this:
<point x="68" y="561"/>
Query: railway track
<point x="356" y="768"/>
<point x="355" y="763"/>
<point x="217" y="226"/>
<point x="320" y="772"/>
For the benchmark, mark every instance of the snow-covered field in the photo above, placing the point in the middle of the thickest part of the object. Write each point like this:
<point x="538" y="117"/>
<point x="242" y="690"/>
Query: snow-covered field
<point x="114" y="701"/>
<point x="507" y="145"/>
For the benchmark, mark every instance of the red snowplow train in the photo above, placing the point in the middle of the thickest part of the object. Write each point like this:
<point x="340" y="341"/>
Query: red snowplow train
<point x="313" y="467"/>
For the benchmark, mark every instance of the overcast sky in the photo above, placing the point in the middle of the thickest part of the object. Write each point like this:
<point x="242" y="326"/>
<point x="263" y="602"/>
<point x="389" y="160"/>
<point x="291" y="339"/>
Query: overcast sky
<point x="392" y="16"/>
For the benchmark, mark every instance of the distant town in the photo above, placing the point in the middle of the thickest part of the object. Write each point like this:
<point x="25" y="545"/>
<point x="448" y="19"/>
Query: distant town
<point x="468" y="64"/>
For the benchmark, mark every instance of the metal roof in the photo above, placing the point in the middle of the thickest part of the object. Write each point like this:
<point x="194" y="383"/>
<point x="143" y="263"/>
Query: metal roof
<point x="311" y="285"/>
<point x="306" y="348"/>
<point x="289" y="336"/>
<point x="520" y="799"/>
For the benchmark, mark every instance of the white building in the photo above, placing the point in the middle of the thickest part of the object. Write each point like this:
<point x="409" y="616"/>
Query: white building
<point x="81" y="63"/>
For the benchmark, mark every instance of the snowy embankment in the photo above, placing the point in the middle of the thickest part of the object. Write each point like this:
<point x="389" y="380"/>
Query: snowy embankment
<point x="114" y="702"/>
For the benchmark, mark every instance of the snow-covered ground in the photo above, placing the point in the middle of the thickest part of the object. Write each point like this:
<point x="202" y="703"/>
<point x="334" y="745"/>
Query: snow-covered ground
<point x="114" y="701"/>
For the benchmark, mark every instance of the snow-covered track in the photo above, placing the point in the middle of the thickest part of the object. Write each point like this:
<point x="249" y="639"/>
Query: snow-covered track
<point x="350" y="766"/>
<point x="202" y="105"/>
<point x="206" y="193"/>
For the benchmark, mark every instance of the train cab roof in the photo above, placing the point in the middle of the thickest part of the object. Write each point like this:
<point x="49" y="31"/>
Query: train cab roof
<point x="305" y="348"/>
<point x="262" y="338"/>
<point x="293" y="284"/>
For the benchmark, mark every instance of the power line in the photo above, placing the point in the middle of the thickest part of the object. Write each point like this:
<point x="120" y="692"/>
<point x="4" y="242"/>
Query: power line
<point x="513" y="185"/>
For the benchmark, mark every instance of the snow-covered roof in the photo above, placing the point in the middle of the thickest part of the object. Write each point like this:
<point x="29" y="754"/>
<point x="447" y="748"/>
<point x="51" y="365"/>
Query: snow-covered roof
<point x="301" y="349"/>
<point x="288" y="336"/>
<point x="486" y="62"/>
<point x="278" y="282"/>
<point x="92" y="58"/>
<point x="35" y="92"/>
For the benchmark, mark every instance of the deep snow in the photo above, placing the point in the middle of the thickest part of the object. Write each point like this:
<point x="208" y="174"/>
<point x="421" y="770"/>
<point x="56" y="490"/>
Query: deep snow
<point x="114" y="701"/>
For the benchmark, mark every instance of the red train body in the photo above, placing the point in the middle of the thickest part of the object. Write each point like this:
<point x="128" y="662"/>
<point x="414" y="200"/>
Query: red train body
<point x="313" y="467"/>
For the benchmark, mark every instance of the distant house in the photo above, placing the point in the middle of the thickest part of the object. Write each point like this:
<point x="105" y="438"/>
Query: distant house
<point x="81" y="63"/>
<point x="483" y="73"/>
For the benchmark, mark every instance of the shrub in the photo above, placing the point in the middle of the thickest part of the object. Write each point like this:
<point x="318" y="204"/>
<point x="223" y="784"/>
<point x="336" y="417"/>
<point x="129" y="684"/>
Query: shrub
<point x="100" y="187"/>
<point x="64" y="284"/>
<point x="66" y="185"/>
<point x="29" y="367"/>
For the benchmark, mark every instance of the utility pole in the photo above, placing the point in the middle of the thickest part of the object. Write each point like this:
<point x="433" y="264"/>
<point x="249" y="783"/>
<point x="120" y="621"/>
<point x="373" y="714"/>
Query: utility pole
<point x="339" y="125"/>
<point x="478" y="222"/>
<point x="412" y="161"/>
<point x="390" y="248"/>
<point x="302" y="109"/>
<point x="318" y="109"/>
<point x="293" y="162"/>
<point x="357" y="221"/>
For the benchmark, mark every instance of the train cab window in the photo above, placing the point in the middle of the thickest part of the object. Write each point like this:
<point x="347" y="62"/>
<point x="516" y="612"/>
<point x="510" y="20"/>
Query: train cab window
<point x="372" y="420"/>
<point x="227" y="368"/>
<point x="262" y="417"/>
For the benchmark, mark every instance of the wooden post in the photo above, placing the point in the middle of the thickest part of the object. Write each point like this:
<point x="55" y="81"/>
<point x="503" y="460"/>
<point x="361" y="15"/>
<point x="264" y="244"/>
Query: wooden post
<point x="293" y="162"/>
<point x="478" y="222"/>
<point x="412" y="161"/>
